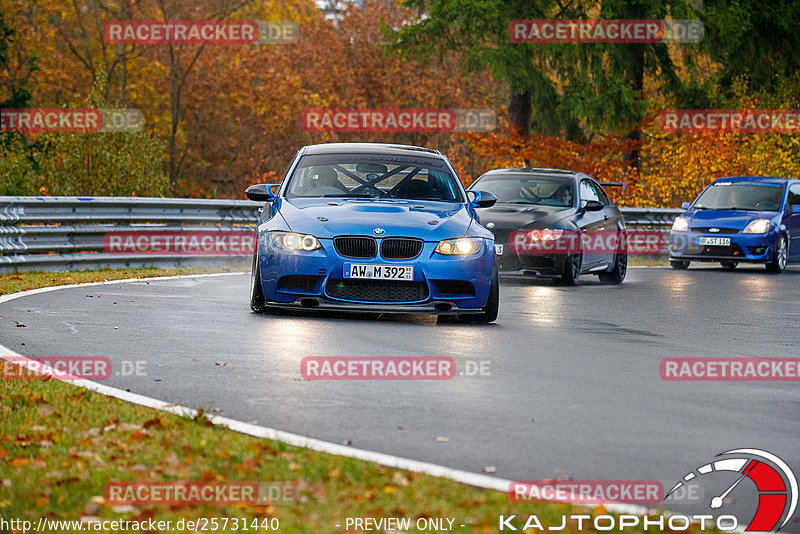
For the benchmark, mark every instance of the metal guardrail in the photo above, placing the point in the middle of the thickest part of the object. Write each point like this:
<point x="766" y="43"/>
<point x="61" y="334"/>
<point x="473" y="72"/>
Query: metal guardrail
<point x="66" y="233"/>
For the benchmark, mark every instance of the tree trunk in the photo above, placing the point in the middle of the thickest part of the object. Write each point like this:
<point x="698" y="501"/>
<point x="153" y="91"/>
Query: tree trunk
<point x="519" y="112"/>
<point x="636" y="77"/>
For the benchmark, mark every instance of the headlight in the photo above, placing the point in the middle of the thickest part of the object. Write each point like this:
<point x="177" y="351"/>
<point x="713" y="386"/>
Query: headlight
<point x="681" y="224"/>
<point x="293" y="241"/>
<point x="463" y="246"/>
<point x="545" y="235"/>
<point x="759" y="226"/>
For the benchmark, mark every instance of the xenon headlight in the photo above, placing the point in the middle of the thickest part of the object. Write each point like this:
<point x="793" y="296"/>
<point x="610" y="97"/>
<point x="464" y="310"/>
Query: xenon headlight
<point x="759" y="226"/>
<point x="295" y="241"/>
<point x="463" y="246"/>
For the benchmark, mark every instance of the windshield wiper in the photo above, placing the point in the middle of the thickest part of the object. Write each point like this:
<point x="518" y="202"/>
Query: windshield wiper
<point x="349" y="195"/>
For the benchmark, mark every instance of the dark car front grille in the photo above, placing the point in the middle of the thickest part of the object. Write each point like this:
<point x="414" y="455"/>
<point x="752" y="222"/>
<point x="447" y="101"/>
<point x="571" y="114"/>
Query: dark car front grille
<point x="705" y="230"/>
<point x="356" y="246"/>
<point x="401" y="248"/>
<point x="377" y="290"/>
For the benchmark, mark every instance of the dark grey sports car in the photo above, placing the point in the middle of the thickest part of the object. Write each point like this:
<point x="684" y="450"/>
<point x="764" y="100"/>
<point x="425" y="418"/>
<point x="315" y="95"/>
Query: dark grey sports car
<point x="554" y="223"/>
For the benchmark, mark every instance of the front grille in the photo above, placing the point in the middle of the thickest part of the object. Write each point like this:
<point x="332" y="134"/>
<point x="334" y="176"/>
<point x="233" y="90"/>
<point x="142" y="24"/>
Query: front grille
<point x="705" y="230"/>
<point x="377" y="290"/>
<point x="356" y="246"/>
<point x="733" y="250"/>
<point x="401" y="248"/>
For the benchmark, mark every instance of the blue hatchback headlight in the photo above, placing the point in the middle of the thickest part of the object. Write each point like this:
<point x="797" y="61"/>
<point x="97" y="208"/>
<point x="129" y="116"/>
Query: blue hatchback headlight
<point x="295" y="241"/>
<point x="759" y="226"/>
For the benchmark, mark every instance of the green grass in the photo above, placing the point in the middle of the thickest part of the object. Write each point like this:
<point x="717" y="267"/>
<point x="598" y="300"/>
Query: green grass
<point x="60" y="445"/>
<point x="14" y="282"/>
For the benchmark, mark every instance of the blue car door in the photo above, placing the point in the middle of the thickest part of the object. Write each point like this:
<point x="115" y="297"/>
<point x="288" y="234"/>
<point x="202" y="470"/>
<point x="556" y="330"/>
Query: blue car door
<point x="793" y="221"/>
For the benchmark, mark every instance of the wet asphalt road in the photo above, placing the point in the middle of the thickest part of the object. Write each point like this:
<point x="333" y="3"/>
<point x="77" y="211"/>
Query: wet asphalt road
<point x="573" y="386"/>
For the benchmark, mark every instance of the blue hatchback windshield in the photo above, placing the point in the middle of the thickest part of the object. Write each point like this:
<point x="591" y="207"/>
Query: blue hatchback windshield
<point x="746" y="196"/>
<point x="373" y="176"/>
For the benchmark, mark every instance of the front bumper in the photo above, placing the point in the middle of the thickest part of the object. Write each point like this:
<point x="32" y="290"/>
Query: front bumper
<point x="756" y="248"/>
<point x="315" y="280"/>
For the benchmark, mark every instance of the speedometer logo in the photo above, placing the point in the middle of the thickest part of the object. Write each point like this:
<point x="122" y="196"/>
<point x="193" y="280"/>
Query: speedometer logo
<point x="775" y="482"/>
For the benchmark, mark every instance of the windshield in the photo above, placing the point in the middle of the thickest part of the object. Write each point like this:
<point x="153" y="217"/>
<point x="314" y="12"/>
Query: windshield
<point x="747" y="196"/>
<point x="538" y="191"/>
<point x="373" y="176"/>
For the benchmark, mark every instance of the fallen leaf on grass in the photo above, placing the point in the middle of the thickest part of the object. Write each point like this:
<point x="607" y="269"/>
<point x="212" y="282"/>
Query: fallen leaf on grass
<point x="139" y="434"/>
<point x="19" y="461"/>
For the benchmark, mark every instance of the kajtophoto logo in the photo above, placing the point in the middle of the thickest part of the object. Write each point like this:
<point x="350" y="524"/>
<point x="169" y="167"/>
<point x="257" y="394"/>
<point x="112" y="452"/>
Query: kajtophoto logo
<point x="774" y="482"/>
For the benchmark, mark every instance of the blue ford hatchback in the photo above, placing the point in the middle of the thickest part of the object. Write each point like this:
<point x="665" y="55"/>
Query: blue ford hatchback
<point x="375" y="228"/>
<point x="751" y="219"/>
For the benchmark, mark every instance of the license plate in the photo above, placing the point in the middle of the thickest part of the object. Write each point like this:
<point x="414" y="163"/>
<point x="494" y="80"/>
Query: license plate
<point x="378" y="272"/>
<point x="714" y="241"/>
<point x="498" y="249"/>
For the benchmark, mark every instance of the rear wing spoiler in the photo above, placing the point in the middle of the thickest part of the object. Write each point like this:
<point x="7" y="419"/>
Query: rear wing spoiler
<point x="623" y="185"/>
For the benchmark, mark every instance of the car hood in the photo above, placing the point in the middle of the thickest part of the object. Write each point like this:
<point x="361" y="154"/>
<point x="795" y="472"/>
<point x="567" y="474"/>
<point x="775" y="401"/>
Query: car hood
<point x="514" y="216"/>
<point x="737" y="219"/>
<point x="358" y="216"/>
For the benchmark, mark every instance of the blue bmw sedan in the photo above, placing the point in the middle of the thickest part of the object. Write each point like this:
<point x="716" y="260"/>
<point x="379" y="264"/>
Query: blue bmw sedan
<point x="749" y="219"/>
<point x="375" y="228"/>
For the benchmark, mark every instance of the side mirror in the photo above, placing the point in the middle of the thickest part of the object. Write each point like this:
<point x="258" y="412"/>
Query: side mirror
<point x="795" y="209"/>
<point x="592" y="205"/>
<point x="686" y="205"/>
<point x="261" y="192"/>
<point x="481" y="199"/>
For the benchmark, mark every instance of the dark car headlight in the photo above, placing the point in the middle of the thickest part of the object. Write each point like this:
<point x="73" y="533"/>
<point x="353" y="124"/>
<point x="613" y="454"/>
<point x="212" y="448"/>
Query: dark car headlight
<point x="295" y="241"/>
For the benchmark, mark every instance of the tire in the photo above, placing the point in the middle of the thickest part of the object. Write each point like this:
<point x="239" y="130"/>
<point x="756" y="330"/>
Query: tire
<point x="257" y="301"/>
<point x="778" y="263"/>
<point x="729" y="265"/>
<point x="572" y="270"/>
<point x="680" y="265"/>
<point x="617" y="274"/>
<point x="488" y="313"/>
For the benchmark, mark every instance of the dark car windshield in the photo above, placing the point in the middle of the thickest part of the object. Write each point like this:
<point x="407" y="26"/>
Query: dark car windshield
<point x="538" y="191"/>
<point x="747" y="196"/>
<point x="373" y="176"/>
